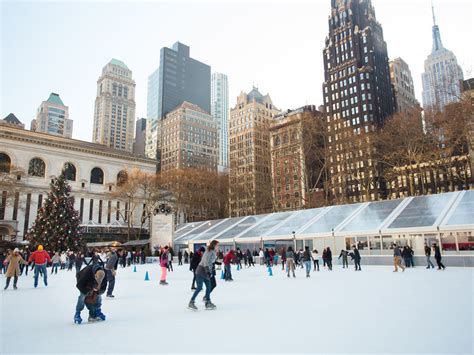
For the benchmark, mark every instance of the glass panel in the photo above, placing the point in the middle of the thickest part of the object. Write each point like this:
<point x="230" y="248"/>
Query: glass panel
<point x="223" y="226"/>
<point x="372" y="216"/>
<point x="464" y="212"/>
<point x="448" y="241"/>
<point x="297" y="221"/>
<point x="465" y="241"/>
<point x="183" y="230"/>
<point x="375" y="243"/>
<point x="203" y="227"/>
<point x="362" y="243"/>
<point x="268" y="224"/>
<point x="331" y="219"/>
<point x="241" y="226"/>
<point x="422" y="211"/>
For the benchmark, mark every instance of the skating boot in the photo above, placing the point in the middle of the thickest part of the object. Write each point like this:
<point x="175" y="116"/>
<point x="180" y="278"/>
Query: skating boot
<point x="210" y="305"/>
<point x="77" y="318"/>
<point x="192" y="306"/>
<point x="100" y="316"/>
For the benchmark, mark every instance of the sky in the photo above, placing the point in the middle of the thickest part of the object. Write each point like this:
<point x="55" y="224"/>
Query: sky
<point x="62" y="46"/>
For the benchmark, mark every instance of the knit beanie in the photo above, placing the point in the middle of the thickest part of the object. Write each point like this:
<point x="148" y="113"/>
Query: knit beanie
<point x="40" y="247"/>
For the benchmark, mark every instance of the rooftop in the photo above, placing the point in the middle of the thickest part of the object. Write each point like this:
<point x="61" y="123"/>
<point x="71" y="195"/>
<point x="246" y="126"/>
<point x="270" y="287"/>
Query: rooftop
<point x="55" y="99"/>
<point x="118" y="63"/>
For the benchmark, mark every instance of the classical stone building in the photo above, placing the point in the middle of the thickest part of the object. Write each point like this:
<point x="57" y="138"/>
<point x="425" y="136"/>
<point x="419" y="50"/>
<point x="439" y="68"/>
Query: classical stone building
<point x="250" y="185"/>
<point x="297" y="151"/>
<point x="31" y="159"/>
<point x="189" y="138"/>
<point x="52" y="117"/>
<point x="114" y="113"/>
<point x="403" y="87"/>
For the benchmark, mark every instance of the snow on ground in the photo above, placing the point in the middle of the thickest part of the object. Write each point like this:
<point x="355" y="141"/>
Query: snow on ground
<point x="343" y="311"/>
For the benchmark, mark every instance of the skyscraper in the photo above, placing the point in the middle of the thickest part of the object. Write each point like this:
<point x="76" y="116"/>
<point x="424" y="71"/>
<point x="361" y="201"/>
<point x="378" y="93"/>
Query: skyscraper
<point x="250" y="185"/>
<point x="358" y="97"/>
<point x="114" y="114"/>
<point x="442" y="77"/>
<point x="140" y="137"/>
<point x="152" y="95"/>
<point x="53" y="117"/>
<point x="220" y="113"/>
<point x="403" y="87"/>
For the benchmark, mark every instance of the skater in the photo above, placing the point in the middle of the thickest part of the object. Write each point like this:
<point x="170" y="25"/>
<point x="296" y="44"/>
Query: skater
<point x="110" y="272"/>
<point x="437" y="255"/>
<point x="406" y="256"/>
<point x="186" y="257"/>
<point x="164" y="263"/>
<point x="283" y="258"/>
<point x="410" y="256"/>
<point x="63" y="259"/>
<point x="356" y="257"/>
<point x="72" y="261"/>
<point x="324" y="258"/>
<point x="170" y="259"/>
<point x="41" y="258"/>
<point x="428" y="257"/>
<point x="290" y="261"/>
<point x="329" y="258"/>
<point x="397" y="258"/>
<point x="3" y="263"/>
<point x="196" y="259"/>
<point x="203" y="275"/>
<point x="13" y="270"/>
<point x="261" y="256"/>
<point x="296" y="258"/>
<point x="307" y="260"/>
<point x="91" y="283"/>
<point x="315" y="260"/>
<point x="344" y="254"/>
<point x="249" y="258"/>
<point x="228" y="259"/>
<point x="56" y="260"/>
<point x="180" y="258"/>
<point x="238" y="258"/>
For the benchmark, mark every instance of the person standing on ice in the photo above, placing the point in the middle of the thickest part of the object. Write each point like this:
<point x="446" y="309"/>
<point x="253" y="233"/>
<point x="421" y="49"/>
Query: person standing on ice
<point x="56" y="261"/>
<point x="307" y="260"/>
<point x="329" y="258"/>
<point x="356" y="257"/>
<point x="315" y="260"/>
<point x="227" y="269"/>
<point x="180" y="257"/>
<point x="164" y="263"/>
<point x="345" y="262"/>
<point x="283" y="258"/>
<point x="261" y="255"/>
<point x="428" y="257"/>
<point x="111" y="271"/>
<point x="203" y="276"/>
<point x="41" y="258"/>
<point x="13" y="270"/>
<point x="437" y="255"/>
<point x="290" y="261"/>
<point x="195" y="260"/>
<point x="397" y="258"/>
<point x="91" y="283"/>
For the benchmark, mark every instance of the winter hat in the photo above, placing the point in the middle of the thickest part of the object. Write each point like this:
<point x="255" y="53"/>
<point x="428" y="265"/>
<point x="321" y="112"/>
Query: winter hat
<point x="40" y="247"/>
<point x="99" y="276"/>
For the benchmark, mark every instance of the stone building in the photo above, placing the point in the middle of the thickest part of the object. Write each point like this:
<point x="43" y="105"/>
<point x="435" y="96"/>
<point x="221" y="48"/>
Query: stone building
<point x="52" y="117"/>
<point x="250" y="190"/>
<point x="403" y="87"/>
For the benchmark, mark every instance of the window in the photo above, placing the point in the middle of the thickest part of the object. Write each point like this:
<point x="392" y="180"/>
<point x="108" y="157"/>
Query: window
<point x="5" y="163"/>
<point x="122" y="178"/>
<point x="69" y="171"/>
<point x="97" y="176"/>
<point x="37" y="167"/>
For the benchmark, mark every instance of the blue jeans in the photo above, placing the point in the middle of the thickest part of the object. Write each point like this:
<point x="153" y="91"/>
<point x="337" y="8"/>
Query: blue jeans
<point x="199" y="281"/>
<point x="227" y="272"/>
<point x="55" y="267"/>
<point x="41" y="268"/>
<point x="307" y="265"/>
<point x="111" y="281"/>
<point x="93" y="308"/>
<point x="428" y="257"/>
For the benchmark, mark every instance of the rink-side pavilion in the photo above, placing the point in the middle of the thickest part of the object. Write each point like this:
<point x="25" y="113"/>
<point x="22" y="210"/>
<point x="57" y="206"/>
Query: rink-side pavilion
<point x="446" y="219"/>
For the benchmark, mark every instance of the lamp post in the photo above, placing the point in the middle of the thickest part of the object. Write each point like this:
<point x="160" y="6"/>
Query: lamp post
<point x="294" y="240"/>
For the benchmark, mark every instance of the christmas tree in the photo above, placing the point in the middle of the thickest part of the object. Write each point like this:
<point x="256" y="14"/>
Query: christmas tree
<point x="57" y="224"/>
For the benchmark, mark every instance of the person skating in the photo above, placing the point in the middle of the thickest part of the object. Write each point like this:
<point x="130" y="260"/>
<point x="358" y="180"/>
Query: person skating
<point x="3" y="264"/>
<point x="195" y="260"/>
<point x="186" y="257"/>
<point x="14" y="260"/>
<point x="250" y="258"/>
<point x="324" y="258"/>
<point x="180" y="257"/>
<point x="437" y="255"/>
<point x="357" y="258"/>
<point x="56" y="261"/>
<point x="315" y="260"/>
<point x="72" y="261"/>
<point x="428" y="257"/>
<point x="63" y="260"/>
<point x="227" y="269"/>
<point x="41" y="258"/>
<point x="329" y="258"/>
<point x="283" y="258"/>
<point x="307" y="257"/>
<point x="170" y="259"/>
<point x="397" y="258"/>
<point x="238" y="258"/>
<point x="345" y="261"/>
<point x="111" y="271"/>
<point x="406" y="256"/>
<point x="91" y="283"/>
<point x="290" y="261"/>
<point x="164" y="263"/>
<point x="203" y="275"/>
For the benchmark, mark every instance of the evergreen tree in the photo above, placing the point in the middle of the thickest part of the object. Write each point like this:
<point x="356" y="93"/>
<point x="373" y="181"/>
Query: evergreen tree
<point x="57" y="224"/>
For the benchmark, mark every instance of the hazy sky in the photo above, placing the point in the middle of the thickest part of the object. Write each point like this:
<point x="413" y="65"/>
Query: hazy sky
<point x="276" y="45"/>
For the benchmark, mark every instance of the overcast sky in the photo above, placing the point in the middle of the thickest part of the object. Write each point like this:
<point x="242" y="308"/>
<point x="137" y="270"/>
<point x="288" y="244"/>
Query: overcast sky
<point x="62" y="46"/>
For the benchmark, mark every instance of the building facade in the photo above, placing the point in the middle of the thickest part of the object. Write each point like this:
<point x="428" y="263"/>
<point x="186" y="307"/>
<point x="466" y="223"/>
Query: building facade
<point x="403" y="88"/>
<point x="140" y="137"/>
<point x="114" y="113"/>
<point x="52" y="117"/>
<point x="189" y="137"/>
<point x="250" y="190"/>
<point x="442" y="76"/>
<point x="358" y="97"/>
<point x="152" y="94"/>
<point x="152" y="126"/>
<point x="297" y="152"/>
<point x="93" y="171"/>
<point x="468" y="95"/>
<point x="220" y="113"/>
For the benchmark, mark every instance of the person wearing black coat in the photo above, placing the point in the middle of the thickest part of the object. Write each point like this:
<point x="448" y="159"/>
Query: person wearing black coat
<point x="91" y="283"/>
<point x="180" y="257"/>
<point x="186" y="257"/>
<point x="343" y="255"/>
<point x="196" y="259"/>
<point x="428" y="257"/>
<point x="329" y="258"/>
<point x="356" y="257"/>
<point x="406" y="256"/>
<point x="437" y="255"/>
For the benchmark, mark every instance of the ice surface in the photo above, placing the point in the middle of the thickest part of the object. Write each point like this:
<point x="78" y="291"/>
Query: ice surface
<point x="343" y="311"/>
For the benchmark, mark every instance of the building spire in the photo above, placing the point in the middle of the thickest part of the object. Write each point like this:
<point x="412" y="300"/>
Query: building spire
<point x="432" y="11"/>
<point x="437" y="44"/>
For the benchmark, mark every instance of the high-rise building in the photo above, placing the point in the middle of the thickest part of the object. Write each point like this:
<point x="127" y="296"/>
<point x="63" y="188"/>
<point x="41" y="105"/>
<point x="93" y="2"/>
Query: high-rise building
<point x="297" y="151"/>
<point x="151" y="137"/>
<point x="220" y="113"/>
<point x="358" y="97"/>
<point x="53" y="117"/>
<point x="140" y="137"/>
<point x="189" y="138"/>
<point x="152" y="95"/>
<point x="250" y="185"/>
<point x="442" y="76"/>
<point x="403" y="87"/>
<point x="114" y="114"/>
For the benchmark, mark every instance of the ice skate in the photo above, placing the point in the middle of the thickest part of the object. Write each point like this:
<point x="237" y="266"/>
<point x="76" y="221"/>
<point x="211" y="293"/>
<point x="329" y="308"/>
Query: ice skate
<point x="210" y="305"/>
<point x="77" y="318"/>
<point x="192" y="306"/>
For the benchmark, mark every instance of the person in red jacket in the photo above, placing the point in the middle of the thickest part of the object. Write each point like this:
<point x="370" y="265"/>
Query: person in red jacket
<point x="41" y="258"/>
<point x="227" y="260"/>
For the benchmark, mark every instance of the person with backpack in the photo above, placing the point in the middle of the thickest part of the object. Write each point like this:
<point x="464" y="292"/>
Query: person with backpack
<point x="164" y="263"/>
<point x="91" y="283"/>
<point x="41" y="258"/>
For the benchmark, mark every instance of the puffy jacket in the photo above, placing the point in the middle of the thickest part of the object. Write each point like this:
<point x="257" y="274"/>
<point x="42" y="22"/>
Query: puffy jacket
<point x="86" y="280"/>
<point x="164" y="259"/>
<point x="228" y="258"/>
<point x="40" y="257"/>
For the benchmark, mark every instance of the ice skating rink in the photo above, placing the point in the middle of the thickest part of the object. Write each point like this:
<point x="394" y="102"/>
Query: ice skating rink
<point x="374" y="311"/>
